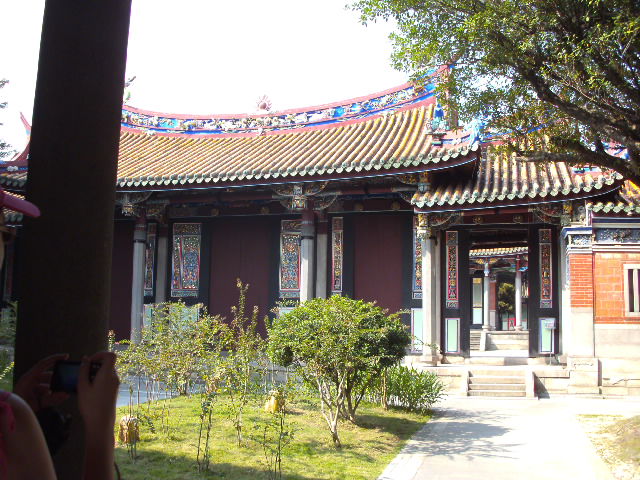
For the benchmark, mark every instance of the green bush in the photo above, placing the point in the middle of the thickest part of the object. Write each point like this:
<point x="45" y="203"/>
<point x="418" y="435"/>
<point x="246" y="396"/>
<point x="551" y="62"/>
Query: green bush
<point x="415" y="390"/>
<point x="341" y="346"/>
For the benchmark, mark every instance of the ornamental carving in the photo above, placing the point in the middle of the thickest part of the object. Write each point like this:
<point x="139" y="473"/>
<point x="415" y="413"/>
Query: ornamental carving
<point x="337" y="255"/>
<point x="131" y="203"/>
<point x="185" y="264"/>
<point x="579" y="240"/>
<point x="323" y="203"/>
<point x="290" y="258"/>
<point x="429" y="223"/>
<point x="617" y="235"/>
<point x="273" y="122"/>
<point x="546" y="272"/>
<point x="451" y="239"/>
<point x="549" y="213"/>
<point x="298" y="194"/>
<point x="150" y="258"/>
<point x="419" y="225"/>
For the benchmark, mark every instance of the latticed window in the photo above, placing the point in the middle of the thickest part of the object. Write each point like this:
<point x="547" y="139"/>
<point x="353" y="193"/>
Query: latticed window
<point x="632" y="290"/>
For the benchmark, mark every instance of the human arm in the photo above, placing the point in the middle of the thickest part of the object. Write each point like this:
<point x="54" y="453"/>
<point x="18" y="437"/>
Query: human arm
<point x="34" y="385"/>
<point x="26" y="449"/>
<point x="97" y="404"/>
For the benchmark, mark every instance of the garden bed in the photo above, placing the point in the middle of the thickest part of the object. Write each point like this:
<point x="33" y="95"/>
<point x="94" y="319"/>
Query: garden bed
<point x="367" y="447"/>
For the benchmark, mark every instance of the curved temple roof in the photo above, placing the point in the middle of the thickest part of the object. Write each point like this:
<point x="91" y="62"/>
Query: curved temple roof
<point x="363" y="147"/>
<point x="502" y="181"/>
<point x="398" y="131"/>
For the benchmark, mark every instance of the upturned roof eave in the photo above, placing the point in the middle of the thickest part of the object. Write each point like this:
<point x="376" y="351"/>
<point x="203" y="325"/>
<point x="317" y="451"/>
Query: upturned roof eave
<point x="526" y="201"/>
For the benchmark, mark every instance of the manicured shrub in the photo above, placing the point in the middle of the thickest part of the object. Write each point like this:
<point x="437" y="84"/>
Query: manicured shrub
<point x="415" y="390"/>
<point x="340" y="346"/>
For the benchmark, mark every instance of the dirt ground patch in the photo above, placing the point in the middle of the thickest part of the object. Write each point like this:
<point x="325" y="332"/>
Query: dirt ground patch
<point x="617" y="440"/>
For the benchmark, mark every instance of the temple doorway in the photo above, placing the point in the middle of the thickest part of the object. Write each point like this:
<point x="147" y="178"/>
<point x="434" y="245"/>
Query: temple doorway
<point x="500" y="288"/>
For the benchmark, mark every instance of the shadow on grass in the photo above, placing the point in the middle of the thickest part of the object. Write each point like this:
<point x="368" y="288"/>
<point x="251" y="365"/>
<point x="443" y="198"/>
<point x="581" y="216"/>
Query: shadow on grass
<point x="161" y="466"/>
<point x="402" y="427"/>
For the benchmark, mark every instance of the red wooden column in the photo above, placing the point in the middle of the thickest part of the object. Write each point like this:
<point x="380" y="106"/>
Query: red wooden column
<point x="65" y="289"/>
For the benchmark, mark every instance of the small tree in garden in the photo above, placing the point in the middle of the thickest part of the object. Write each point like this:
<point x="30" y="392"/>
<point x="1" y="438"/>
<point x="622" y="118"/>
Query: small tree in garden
<point x="339" y="345"/>
<point x="244" y="360"/>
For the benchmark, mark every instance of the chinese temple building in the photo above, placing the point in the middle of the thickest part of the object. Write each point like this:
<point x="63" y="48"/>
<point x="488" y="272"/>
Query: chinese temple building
<point x="377" y="198"/>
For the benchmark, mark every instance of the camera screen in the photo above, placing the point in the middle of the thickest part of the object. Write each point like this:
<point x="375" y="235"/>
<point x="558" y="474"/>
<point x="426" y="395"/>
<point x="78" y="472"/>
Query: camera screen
<point x="65" y="376"/>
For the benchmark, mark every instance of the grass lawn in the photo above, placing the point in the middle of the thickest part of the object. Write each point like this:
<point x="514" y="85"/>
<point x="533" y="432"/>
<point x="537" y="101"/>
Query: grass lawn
<point x="617" y="440"/>
<point x="367" y="447"/>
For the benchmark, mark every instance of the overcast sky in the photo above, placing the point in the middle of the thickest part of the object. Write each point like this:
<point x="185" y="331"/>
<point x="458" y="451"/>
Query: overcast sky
<point x="213" y="56"/>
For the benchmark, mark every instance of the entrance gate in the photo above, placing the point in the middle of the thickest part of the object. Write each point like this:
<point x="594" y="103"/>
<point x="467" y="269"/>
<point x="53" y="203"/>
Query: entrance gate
<point x="476" y="260"/>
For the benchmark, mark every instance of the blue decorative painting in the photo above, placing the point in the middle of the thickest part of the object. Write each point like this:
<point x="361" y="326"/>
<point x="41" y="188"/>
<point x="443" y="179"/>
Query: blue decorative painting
<point x="290" y="258"/>
<point x="185" y="268"/>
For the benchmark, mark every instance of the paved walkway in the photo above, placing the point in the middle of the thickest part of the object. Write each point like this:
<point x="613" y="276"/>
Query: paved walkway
<point x="472" y="439"/>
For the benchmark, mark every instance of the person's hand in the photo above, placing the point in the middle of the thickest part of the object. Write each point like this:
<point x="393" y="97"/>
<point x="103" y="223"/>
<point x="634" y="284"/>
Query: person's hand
<point x="35" y="386"/>
<point x="97" y="398"/>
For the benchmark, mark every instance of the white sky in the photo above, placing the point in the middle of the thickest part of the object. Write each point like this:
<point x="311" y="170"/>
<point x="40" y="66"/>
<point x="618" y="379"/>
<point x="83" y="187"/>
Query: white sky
<point x="214" y="56"/>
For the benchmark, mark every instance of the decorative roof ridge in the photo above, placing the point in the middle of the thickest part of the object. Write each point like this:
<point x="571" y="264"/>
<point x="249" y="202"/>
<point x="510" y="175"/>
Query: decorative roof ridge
<point x="163" y="123"/>
<point x="458" y="135"/>
<point x="206" y="116"/>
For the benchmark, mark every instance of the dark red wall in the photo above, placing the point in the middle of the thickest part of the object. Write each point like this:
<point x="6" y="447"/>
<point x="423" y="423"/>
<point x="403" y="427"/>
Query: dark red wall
<point x="378" y="259"/>
<point x="121" y="272"/>
<point x="240" y="248"/>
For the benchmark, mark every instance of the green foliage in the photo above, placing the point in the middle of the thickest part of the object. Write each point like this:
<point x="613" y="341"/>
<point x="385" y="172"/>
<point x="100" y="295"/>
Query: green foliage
<point x="203" y="455"/>
<point x="5" y="148"/>
<point x="8" y="324"/>
<point x="276" y="432"/>
<point x="368" y="446"/>
<point x="414" y="390"/>
<point x="176" y="346"/>
<point x="245" y="362"/>
<point x="340" y="345"/>
<point x="569" y="65"/>
<point x="507" y="297"/>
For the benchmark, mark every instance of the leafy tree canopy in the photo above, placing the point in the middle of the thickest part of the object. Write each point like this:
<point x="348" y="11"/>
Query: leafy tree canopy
<point x="572" y="66"/>
<point x="5" y="148"/>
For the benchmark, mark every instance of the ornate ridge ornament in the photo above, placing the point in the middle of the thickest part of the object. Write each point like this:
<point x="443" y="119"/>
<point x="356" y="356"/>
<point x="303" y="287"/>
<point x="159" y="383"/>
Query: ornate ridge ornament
<point x="334" y="114"/>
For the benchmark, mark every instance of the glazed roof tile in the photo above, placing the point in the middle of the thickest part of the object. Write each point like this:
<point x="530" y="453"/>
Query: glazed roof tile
<point x="379" y="143"/>
<point x="16" y="179"/>
<point x="498" y="252"/>
<point x="628" y="201"/>
<point x="505" y="180"/>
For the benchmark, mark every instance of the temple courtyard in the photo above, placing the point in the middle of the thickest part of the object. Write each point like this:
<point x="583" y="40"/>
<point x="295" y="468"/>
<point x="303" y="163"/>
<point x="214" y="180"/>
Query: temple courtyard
<point x="476" y="438"/>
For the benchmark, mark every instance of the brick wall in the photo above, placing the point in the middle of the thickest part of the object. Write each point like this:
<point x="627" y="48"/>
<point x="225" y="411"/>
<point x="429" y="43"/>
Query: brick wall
<point x="609" y="287"/>
<point x="581" y="280"/>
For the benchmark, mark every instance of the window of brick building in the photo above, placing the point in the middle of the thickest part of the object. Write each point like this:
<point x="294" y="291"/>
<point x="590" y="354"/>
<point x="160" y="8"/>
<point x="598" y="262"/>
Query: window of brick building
<point x="632" y="290"/>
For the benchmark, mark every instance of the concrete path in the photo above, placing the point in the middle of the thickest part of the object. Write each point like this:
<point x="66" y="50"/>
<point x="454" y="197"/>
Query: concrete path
<point x="473" y="439"/>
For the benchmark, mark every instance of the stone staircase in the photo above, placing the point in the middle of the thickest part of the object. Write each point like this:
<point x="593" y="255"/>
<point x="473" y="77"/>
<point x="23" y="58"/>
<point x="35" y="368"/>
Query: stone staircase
<point x="474" y="339"/>
<point x="507" y="340"/>
<point x="503" y="382"/>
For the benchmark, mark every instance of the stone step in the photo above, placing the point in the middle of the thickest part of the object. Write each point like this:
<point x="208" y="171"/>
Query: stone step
<point x="508" y="334"/>
<point x="508" y="339"/>
<point x="507" y="379"/>
<point x="498" y="387"/>
<point x="496" y="372"/>
<point x="496" y="393"/>
<point x="506" y="346"/>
